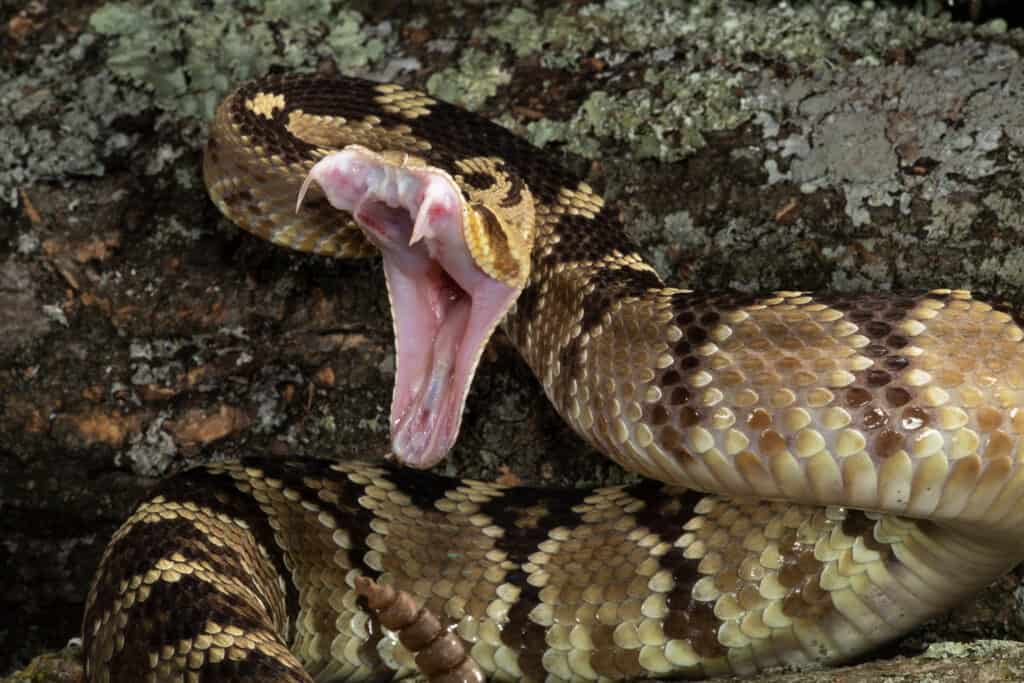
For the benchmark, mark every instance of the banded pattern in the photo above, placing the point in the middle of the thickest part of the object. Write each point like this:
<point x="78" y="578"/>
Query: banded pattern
<point x="896" y="403"/>
<point x="611" y="583"/>
<point x="872" y="446"/>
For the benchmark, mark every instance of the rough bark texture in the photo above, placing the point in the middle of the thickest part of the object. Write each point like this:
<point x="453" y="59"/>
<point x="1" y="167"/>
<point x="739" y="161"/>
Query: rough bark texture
<point x="810" y="145"/>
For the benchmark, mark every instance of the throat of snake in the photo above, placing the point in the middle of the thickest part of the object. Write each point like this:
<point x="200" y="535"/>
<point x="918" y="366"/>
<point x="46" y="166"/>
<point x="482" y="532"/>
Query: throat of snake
<point x="444" y="306"/>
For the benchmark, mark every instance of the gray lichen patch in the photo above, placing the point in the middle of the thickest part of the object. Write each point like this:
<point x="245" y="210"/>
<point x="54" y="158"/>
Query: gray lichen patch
<point x="985" y="648"/>
<point x="881" y="131"/>
<point x="56" y="123"/>
<point x="151" y="452"/>
<point x="59" y="117"/>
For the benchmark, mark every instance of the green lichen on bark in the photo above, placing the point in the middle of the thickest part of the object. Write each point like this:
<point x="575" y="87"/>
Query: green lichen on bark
<point x="189" y="55"/>
<point x="477" y="77"/>
<point x="693" y="61"/>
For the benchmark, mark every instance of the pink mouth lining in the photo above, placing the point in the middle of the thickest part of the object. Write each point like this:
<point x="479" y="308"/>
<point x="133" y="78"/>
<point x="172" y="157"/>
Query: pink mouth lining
<point x="444" y="307"/>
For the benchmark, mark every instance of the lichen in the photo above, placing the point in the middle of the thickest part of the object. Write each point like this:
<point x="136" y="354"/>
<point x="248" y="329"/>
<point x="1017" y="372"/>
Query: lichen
<point x="667" y="126"/>
<point x="152" y="451"/>
<point x="22" y="317"/>
<point x="1006" y="265"/>
<point x="520" y="29"/>
<point x="879" y="131"/>
<point x="958" y="650"/>
<point x="189" y="55"/>
<point x="693" y="60"/>
<point x="676" y="228"/>
<point x="56" y="123"/>
<point x="478" y="76"/>
<point x="180" y="58"/>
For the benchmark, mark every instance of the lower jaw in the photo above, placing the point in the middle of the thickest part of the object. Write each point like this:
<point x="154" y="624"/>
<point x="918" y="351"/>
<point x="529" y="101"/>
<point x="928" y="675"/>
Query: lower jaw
<point x="432" y="322"/>
<point x="415" y="216"/>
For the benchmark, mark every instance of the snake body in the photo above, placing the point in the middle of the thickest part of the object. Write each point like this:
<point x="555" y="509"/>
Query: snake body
<point x="824" y="471"/>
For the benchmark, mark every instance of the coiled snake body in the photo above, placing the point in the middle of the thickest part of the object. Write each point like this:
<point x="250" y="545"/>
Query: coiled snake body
<point x="835" y="468"/>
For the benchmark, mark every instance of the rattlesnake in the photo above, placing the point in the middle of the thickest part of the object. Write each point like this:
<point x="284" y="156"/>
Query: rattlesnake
<point x="835" y="468"/>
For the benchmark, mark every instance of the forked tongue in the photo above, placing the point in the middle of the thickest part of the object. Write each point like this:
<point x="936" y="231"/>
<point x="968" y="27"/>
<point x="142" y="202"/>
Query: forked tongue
<point x="444" y="307"/>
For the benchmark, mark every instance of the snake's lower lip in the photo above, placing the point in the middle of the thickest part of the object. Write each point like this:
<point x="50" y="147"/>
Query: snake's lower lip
<point x="444" y="307"/>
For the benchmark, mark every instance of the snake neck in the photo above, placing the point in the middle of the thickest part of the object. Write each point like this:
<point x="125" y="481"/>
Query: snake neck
<point x="909" y="404"/>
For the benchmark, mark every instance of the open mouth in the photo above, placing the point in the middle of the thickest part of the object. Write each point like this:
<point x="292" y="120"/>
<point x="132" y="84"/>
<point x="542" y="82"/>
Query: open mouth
<point x="444" y="307"/>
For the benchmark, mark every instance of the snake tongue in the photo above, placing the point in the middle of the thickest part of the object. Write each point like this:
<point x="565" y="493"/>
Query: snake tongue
<point x="444" y="307"/>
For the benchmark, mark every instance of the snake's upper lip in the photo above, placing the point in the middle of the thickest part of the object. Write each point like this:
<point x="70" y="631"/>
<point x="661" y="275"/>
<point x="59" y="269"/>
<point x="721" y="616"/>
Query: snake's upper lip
<point x="444" y="307"/>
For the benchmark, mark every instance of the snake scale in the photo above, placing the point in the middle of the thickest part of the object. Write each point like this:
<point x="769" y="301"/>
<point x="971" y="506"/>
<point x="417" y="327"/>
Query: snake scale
<point x="822" y="471"/>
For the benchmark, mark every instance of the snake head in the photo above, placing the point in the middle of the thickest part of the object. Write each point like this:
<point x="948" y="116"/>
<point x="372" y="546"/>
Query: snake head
<point x="450" y="280"/>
